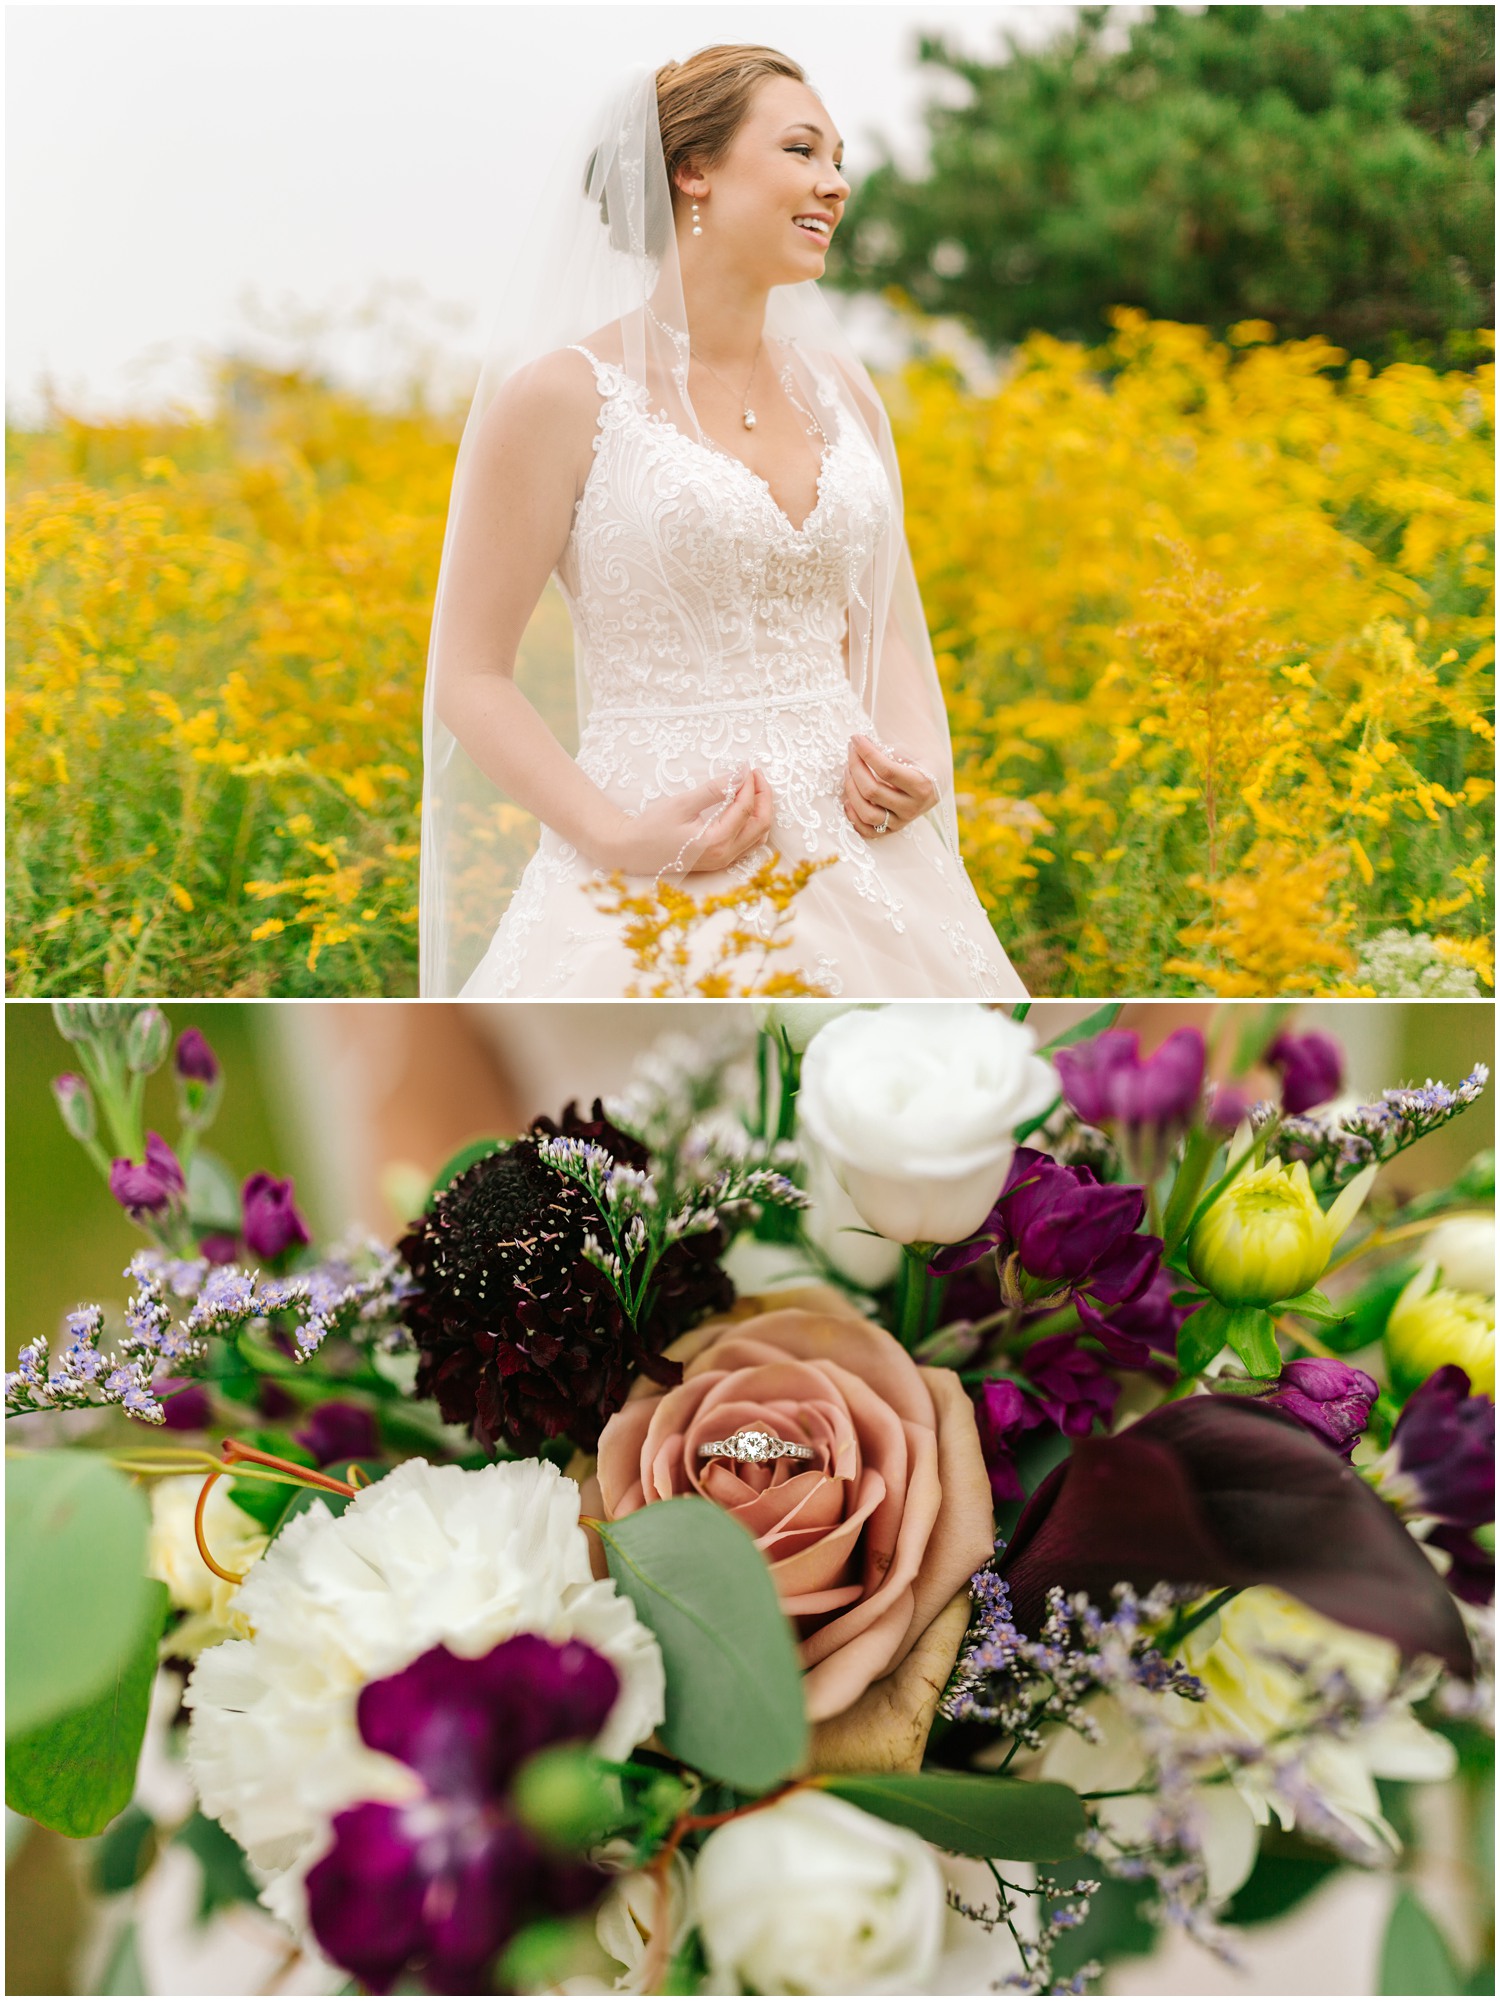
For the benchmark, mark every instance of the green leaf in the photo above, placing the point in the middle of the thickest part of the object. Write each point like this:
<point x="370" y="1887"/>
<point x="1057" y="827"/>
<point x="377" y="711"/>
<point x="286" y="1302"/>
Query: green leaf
<point x="77" y="1771"/>
<point x="76" y="1592"/>
<point x="1083" y="1031"/>
<point x="1312" y="1305"/>
<point x="226" y="1880"/>
<point x="734" y="1683"/>
<point x="1252" y="1335"/>
<point x="213" y="1195"/>
<point x="1277" y="1884"/>
<point x="1028" y="1126"/>
<point x="1115" y="1928"/>
<point x="125" y="1852"/>
<point x="477" y="1149"/>
<point x="969" y="1814"/>
<point x="1201" y="1336"/>
<point x="1414" y="1958"/>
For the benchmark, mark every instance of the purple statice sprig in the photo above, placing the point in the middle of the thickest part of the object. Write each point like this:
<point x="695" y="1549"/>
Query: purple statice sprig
<point x="644" y="1211"/>
<point x="1060" y="1908"/>
<point x="1347" y="1142"/>
<point x="180" y="1304"/>
<point x="1004" y="1678"/>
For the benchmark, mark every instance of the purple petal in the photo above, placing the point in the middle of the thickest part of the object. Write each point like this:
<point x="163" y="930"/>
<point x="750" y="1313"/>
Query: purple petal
<point x="1471" y="1575"/>
<point x="1072" y="1387"/>
<point x="466" y="1725"/>
<point x="1004" y="1412"/>
<point x="185" y="1403"/>
<point x="1331" y="1398"/>
<point x="1165" y="1089"/>
<point x="195" y="1059"/>
<point x="337" y="1431"/>
<point x="1126" y="1270"/>
<point x="1215" y="1491"/>
<point x="365" y="1897"/>
<point x="1091" y="1073"/>
<point x="271" y="1222"/>
<point x="1137" y="1328"/>
<point x="1312" y="1069"/>
<point x="1445" y="1441"/>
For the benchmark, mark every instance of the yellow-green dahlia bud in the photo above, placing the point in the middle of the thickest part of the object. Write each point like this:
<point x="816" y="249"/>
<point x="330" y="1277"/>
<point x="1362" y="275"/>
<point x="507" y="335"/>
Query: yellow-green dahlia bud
<point x="1266" y="1239"/>
<point x="1430" y="1325"/>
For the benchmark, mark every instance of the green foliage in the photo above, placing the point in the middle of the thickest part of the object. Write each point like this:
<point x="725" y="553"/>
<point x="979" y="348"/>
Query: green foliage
<point x="77" y="1771"/>
<point x="1116" y="1927"/>
<point x="1278" y="1883"/>
<point x="1329" y="169"/>
<point x="76" y="1593"/>
<point x="734" y="1683"/>
<point x="971" y="1814"/>
<point x="1249" y="1330"/>
<point x="126" y="1851"/>
<point x="226" y="1880"/>
<point x="1414" y="1959"/>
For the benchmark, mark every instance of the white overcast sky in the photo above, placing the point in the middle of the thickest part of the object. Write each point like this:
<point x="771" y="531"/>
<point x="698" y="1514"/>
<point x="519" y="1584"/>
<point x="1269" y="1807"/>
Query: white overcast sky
<point x="168" y="164"/>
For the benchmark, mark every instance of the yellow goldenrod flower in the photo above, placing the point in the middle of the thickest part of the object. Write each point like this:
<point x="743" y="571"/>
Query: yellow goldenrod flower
<point x="1431" y="1324"/>
<point x="1266" y="1239"/>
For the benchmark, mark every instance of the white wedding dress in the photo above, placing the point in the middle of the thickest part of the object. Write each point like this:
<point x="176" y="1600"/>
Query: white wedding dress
<point x="753" y="676"/>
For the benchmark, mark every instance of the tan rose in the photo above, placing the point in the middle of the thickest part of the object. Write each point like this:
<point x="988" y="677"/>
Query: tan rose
<point x="870" y="1543"/>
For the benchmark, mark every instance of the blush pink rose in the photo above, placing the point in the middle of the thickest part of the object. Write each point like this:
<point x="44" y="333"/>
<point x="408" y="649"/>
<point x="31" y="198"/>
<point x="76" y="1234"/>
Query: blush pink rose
<point x="869" y="1541"/>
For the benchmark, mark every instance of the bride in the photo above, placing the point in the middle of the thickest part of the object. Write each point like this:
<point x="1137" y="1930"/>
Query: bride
<point x="671" y="424"/>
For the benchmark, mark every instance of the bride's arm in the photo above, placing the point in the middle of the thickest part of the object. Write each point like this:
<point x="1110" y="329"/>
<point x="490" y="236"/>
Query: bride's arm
<point x="530" y="459"/>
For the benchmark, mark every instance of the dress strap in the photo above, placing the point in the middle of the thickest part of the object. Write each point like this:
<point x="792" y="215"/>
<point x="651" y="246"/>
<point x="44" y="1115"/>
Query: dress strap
<point x="606" y="377"/>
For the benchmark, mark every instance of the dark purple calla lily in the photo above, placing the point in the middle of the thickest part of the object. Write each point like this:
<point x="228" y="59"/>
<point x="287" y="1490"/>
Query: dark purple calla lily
<point x="1311" y="1067"/>
<point x="336" y="1431"/>
<point x="440" y="1884"/>
<point x="272" y="1224"/>
<point x="1444" y="1444"/>
<point x="151" y="1185"/>
<point x="1065" y="1229"/>
<point x="1331" y="1398"/>
<point x="1218" y="1491"/>
<point x="1108" y="1082"/>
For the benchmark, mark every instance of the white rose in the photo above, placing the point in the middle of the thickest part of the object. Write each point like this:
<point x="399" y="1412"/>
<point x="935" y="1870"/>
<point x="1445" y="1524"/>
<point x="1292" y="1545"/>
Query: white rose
<point x="915" y="1106"/>
<point x="813" y="1896"/>
<point x="631" y="1912"/>
<point x="429" y="1554"/>
<point x="172" y="1554"/>
<point x="1464" y="1248"/>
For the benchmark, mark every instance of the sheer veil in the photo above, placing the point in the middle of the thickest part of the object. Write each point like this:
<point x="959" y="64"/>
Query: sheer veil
<point x="600" y="266"/>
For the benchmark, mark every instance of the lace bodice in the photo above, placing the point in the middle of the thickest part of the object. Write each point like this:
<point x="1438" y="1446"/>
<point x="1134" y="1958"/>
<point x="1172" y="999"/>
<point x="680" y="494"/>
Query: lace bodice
<point x="688" y="585"/>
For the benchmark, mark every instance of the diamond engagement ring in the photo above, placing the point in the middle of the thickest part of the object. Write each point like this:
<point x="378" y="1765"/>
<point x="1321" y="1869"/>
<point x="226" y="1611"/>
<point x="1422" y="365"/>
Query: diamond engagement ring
<point x="756" y="1446"/>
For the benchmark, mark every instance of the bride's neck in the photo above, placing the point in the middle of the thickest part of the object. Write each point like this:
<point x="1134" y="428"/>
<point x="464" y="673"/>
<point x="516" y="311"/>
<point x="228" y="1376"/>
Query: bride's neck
<point x="726" y="316"/>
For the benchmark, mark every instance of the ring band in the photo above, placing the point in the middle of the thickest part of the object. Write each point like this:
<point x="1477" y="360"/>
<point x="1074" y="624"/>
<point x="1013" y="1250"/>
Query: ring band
<point x="755" y="1445"/>
<point x="885" y="825"/>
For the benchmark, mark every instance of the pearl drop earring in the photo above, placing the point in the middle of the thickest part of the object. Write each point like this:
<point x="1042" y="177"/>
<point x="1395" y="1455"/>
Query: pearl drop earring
<point x="697" y="219"/>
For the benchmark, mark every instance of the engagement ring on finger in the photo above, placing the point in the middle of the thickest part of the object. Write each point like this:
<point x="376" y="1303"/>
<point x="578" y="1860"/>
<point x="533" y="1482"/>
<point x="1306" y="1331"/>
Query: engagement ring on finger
<point x="756" y="1446"/>
<point x="885" y="825"/>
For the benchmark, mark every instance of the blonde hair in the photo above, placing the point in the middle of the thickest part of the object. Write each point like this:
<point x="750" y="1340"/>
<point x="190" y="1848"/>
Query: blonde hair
<point x="701" y="103"/>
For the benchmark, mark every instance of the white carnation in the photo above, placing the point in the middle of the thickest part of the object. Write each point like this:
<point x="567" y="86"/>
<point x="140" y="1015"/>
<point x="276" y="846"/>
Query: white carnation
<point x="428" y="1555"/>
<point x="814" y="1896"/>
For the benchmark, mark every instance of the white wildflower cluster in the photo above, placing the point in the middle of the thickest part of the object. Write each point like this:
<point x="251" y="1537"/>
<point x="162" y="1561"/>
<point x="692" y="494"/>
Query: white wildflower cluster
<point x="1412" y="965"/>
<point x="680" y="1080"/>
<point x="180" y="1303"/>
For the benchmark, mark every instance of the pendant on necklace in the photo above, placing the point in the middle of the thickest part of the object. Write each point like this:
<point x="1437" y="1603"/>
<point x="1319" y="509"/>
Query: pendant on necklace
<point x="749" y="420"/>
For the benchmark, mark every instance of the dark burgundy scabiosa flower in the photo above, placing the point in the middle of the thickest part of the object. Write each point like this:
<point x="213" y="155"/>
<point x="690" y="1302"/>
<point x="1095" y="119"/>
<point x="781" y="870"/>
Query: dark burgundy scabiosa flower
<point x="1058" y="1229"/>
<point x="519" y="1336"/>
<point x="437" y="1886"/>
<point x="272" y="1225"/>
<point x="336" y="1431"/>
<point x="1311" y="1067"/>
<point x="148" y="1186"/>
<point x="1330" y="1398"/>
<point x="1109" y="1083"/>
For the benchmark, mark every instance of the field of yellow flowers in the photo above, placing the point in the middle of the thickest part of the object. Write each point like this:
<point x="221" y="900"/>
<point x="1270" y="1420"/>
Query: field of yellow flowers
<point x="1214" y="619"/>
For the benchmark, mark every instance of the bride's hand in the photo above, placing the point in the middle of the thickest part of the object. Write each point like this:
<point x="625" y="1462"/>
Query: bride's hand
<point x="695" y="831"/>
<point x="881" y="792"/>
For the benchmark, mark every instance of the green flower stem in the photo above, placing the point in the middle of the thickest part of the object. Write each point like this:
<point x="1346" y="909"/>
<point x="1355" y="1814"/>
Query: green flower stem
<point x="1379" y="1238"/>
<point x="1188" y="1622"/>
<point x="1197" y="1158"/>
<point x="1305" y="1340"/>
<point x="918" y="1296"/>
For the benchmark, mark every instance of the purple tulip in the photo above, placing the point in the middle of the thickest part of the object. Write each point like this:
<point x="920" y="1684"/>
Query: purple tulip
<point x="1107" y="1082"/>
<point x="1063" y="1229"/>
<point x="1312" y="1069"/>
<point x="336" y="1431"/>
<point x="1330" y="1398"/>
<point x="271" y="1224"/>
<point x="1138" y="1330"/>
<point x="194" y="1058"/>
<point x="1004" y="1412"/>
<point x="151" y="1185"/>
<point x="1219" y="1491"/>
<point x="185" y="1403"/>
<point x="440" y="1884"/>
<point x="1444" y="1445"/>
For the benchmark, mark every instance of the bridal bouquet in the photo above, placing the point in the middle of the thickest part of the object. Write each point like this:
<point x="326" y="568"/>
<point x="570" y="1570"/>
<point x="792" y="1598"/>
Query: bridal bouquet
<point x="884" y="1507"/>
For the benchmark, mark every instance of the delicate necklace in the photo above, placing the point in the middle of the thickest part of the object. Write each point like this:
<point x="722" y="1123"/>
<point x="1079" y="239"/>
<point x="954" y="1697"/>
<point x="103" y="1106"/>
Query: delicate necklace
<point x="747" y="413"/>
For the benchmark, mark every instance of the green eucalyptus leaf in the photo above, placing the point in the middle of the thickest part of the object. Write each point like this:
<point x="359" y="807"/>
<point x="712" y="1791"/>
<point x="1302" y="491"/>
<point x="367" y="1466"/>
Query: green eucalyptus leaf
<point x="1414" y="1957"/>
<point x="76" y="1590"/>
<point x="971" y="1814"/>
<point x="734" y="1682"/>
<point x="77" y="1771"/>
